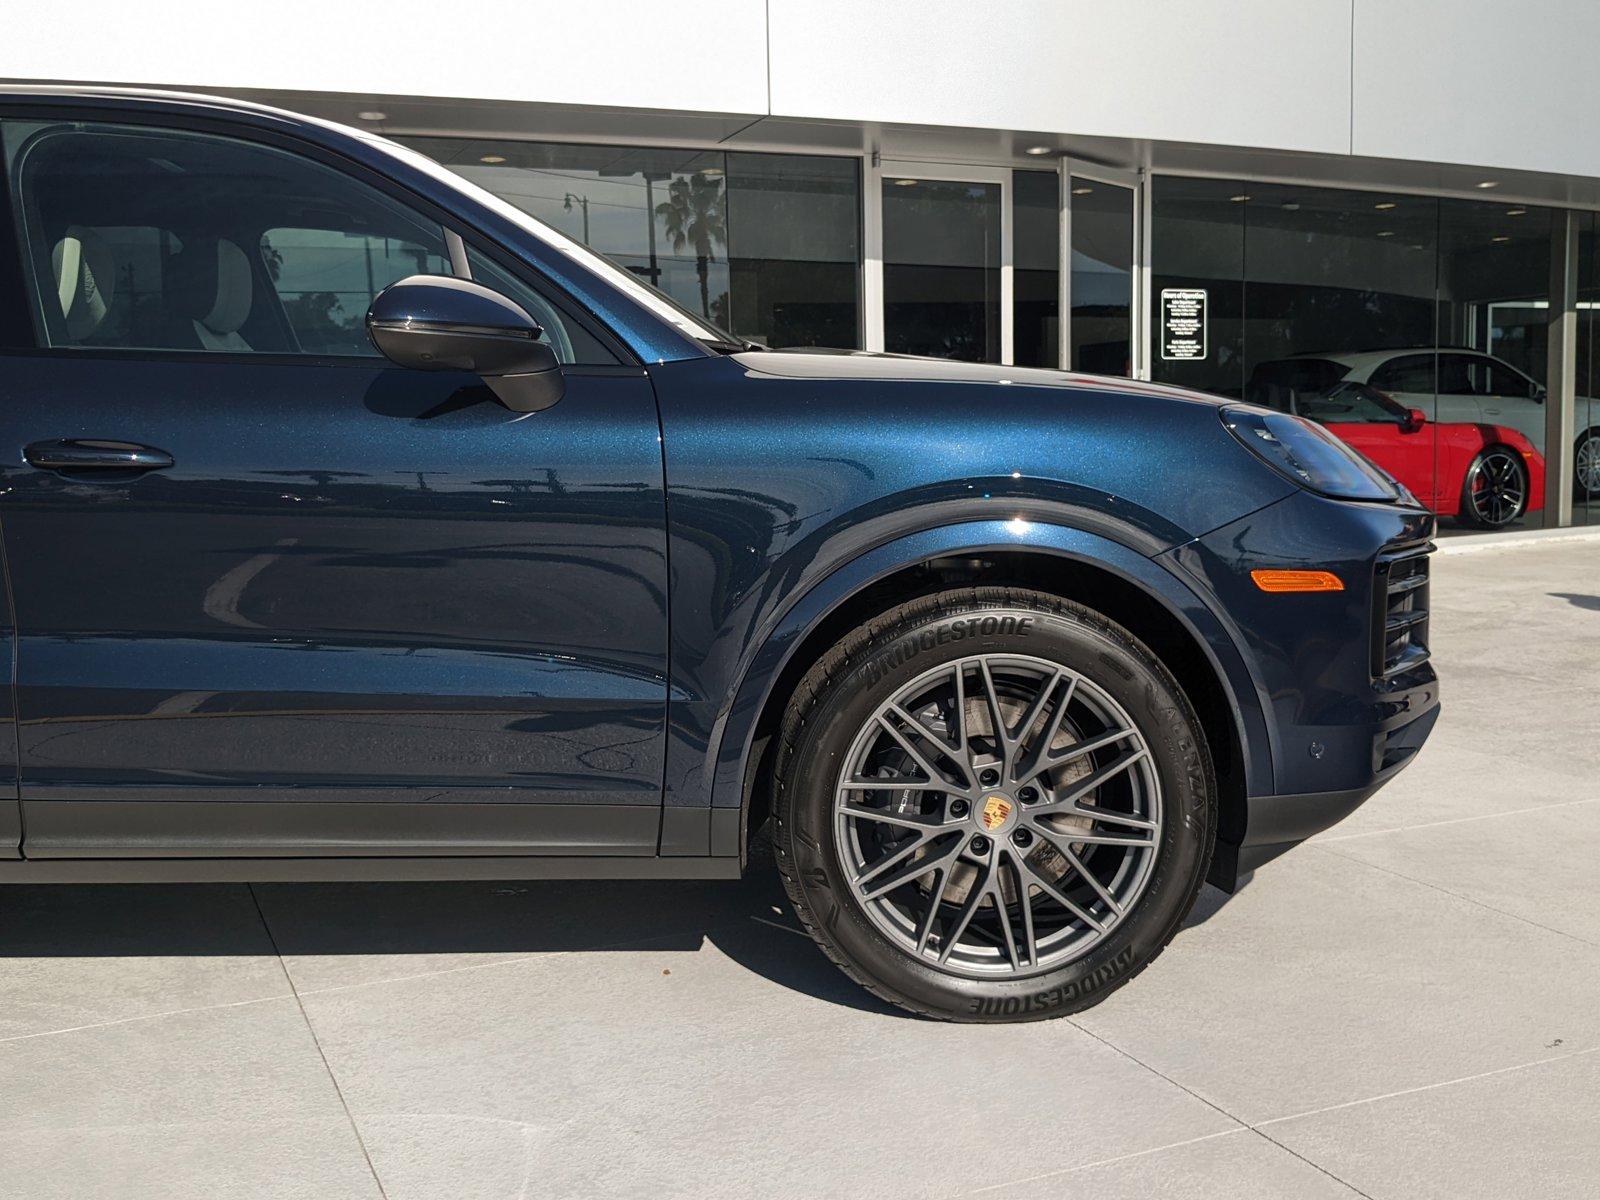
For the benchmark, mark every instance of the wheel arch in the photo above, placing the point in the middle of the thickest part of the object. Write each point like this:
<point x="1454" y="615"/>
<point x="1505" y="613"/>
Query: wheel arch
<point x="1180" y="629"/>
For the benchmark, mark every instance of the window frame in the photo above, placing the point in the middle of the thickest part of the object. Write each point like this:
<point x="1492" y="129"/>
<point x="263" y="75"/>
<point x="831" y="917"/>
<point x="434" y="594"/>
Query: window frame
<point x="27" y="335"/>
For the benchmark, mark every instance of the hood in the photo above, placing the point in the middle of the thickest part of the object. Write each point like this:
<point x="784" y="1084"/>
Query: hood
<point x="817" y="363"/>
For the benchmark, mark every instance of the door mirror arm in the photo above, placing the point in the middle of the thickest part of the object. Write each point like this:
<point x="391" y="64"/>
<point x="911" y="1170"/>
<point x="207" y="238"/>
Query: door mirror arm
<point x="441" y="323"/>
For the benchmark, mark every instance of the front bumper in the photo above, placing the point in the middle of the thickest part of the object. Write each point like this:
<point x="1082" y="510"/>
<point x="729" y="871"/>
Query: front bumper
<point x="1344" y="677"/>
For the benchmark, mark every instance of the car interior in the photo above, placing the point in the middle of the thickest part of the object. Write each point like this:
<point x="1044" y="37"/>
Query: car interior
<point x="168" y="241"/>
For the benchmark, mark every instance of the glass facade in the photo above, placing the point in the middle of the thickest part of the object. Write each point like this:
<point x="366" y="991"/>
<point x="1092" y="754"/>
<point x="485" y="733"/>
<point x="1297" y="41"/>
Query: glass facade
<point x="941" y="268"/>
<point x="1102" y="277"/>
<point x="1036" y="275"/>
<point x="1586" y="414"/>
<point x="767" y="246"/>
<point x="1413" y="327"/>
<point x="1417" y="328"/>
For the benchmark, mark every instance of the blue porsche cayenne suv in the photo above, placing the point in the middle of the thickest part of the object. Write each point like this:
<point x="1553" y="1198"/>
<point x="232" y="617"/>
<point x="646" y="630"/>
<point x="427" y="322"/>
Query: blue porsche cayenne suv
<point x="357" y="526"/>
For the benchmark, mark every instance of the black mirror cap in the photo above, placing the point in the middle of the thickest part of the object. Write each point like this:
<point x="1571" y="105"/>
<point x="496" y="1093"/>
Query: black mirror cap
<point x="440" y="323"/>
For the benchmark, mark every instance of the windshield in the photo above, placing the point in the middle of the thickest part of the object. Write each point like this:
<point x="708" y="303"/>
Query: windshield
<point x="624" y="281"/>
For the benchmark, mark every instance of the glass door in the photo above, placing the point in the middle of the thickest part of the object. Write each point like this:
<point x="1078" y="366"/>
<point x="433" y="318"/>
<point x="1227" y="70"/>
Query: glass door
<point x="944" y="265"/>
<point x="1102" y="292"/>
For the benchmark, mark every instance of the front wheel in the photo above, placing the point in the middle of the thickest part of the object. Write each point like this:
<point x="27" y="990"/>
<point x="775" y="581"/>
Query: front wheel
<point x="992" y="804"/>
<point x="1494" y="492"/>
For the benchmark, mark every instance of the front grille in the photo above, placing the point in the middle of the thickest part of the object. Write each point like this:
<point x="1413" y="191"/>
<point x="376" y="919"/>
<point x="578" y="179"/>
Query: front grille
<point x="1400" y="611"/>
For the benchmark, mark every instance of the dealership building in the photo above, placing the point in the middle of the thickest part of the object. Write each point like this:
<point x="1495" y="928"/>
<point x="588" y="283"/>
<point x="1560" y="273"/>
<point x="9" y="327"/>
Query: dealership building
<point x="1379" y="213"/>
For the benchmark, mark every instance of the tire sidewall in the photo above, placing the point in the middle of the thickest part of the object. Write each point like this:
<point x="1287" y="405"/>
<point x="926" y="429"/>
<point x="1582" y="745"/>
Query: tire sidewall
<point x="1470" y="512"/>
<point x="1128" y="674"/>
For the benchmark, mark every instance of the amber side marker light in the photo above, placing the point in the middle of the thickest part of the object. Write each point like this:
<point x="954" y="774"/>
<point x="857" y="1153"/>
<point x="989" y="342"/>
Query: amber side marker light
<point x="1297" y="581"/>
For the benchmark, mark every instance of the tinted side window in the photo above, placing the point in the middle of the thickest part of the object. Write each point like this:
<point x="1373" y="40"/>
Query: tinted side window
<point x="143" y="238"/>
<point x="1457" y="376"/>
<point x="1499" y="379"/>
<point x="1408" y="373"/>
<point x="571" y="342"/>
<point x="325" y="280"/>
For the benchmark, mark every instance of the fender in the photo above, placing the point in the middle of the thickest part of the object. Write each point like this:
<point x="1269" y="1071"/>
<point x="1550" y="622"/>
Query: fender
<point x="733" y="734"/>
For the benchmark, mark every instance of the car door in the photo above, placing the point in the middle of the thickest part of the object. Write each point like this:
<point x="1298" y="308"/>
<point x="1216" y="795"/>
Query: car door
<point x="1459" y="396"/>
<point x="275" y="596"/>
<point x="1508" y="397"/>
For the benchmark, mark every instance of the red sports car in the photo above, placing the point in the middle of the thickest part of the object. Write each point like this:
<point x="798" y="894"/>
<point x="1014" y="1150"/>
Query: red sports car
<point x="1484" y="475"/>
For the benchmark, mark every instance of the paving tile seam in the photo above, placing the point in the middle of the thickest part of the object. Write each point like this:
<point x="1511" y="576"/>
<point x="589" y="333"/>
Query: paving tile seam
<point x="1324" y="839"/>
<point x="1431" y="1087"/>
<point x="1259" y="1127"/>
<point x="1444" y="891"/>
<point x="350" y="1117"/>
<point x="1107" y="1162"/>
<point x="153" y="1016"/>
<point x="1218" y="1108"/>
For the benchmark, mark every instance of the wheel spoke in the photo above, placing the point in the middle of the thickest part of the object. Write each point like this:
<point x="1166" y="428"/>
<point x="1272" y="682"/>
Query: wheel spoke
<point x="890" y="817"/>
<point x="917" y="756"/>
<point x="902" y="867"/>
<point x="949" y="941"/>
<point x="1049" y="888"/>
<point x="997" y="720"/>
<point x="1030" y="940"/>
<point x="888" y="783"/>
<point x="1039" y="759"/>
<point x="1092" y="781"/>
<point x="954" y="752"/>
<point x="1107" y="839"/>
<point x="1059" y="758"/>
<point x="935" y="900"/>
<point x="1063" y="846"/>
<point x="1013" y="744"/>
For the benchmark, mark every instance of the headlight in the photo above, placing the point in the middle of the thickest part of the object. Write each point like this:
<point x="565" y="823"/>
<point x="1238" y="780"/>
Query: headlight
<point x="1308" y="454"/>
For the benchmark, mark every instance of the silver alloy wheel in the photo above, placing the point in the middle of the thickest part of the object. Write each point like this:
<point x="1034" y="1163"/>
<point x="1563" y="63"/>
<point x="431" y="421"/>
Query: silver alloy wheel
<point x="999" y="816"/>
<point x="1497" y="486"/>
<point x="1586" y="465"/>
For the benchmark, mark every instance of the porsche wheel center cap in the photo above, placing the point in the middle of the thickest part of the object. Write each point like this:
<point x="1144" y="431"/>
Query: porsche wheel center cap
<point x="996" y="811"/>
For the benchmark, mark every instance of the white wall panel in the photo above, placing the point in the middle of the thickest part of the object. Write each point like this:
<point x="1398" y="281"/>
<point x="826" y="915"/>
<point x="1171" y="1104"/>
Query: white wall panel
<point x="1479" y="81"/>
<point x="635" y="53"/>
<point x="1246" y="72"/>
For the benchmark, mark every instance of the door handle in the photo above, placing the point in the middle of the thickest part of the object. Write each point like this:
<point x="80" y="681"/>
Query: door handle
<point x="94" y="454"/>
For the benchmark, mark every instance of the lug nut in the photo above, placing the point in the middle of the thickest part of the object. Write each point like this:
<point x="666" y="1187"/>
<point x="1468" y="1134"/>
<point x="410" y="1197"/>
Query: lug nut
<point x="1022" y="837"/>
<point x="958" y="808"/>
<point x="988" y="777"/>
<point x="980" y="845"/>
<point x="1028" y="795"/>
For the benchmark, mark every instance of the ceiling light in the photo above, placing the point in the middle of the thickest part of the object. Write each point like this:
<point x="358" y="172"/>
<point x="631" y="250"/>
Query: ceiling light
<point x="1291" y="207"/>
<point x="1082" y="191"/>
<point x="492" y="159"/>
<point x="711" y="172"/>
<point x="1515" y="212"/>
<point x="1240" y="199"/>
<point x="1038" y="150"/>
<point x="1385" y="233"/>
<point x="1500" y="237"/>
<point x="1385" y="206"/>
<point x="905" y="183"/>
<point x="1489" y="183"/>
<point x="372" y="114"/>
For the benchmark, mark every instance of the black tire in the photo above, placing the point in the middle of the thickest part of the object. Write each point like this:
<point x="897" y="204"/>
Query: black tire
<point x="1494" y="491"/>
<point x="1586" y="453"/>
<point x="840" y="694"/>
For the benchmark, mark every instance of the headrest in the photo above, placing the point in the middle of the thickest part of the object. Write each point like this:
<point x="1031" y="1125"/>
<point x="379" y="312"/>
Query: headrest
<point x="85" y="274"/>
<point x="209" y="281"/>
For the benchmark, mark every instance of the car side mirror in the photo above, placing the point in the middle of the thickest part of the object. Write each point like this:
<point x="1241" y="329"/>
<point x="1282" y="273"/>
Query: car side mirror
<point x="440" y="323"/>
<point x="1413" y="421"/>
